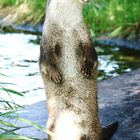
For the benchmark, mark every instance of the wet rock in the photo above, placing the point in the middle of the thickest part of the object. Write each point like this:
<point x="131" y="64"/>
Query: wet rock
<point x="26" y="28"/>
<point x="36" y="113"/>
<point x="119" y="100"/>
<point x="119" y="42"/>
<point x="131" y="42"/>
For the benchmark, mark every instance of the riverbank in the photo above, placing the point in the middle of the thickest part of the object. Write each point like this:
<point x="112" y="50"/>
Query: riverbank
<point x="119" y="100"/>
<point x="111" y="17"/>
<point x="111" y="23"/>
<point x="24" y="28"/>
<point x="131" y="42"/>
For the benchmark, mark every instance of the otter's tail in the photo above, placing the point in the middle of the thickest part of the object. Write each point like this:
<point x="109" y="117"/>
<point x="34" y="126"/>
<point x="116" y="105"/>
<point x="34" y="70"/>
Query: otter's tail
<point x="108" y="131"/>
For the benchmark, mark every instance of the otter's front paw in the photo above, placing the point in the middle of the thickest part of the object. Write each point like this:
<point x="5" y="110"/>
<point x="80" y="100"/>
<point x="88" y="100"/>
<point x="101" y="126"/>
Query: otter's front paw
<point x="55" y="76"/>
<point x="88" y="66"/>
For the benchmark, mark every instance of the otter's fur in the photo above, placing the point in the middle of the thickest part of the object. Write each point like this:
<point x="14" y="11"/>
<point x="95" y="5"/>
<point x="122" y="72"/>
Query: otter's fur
<point x="68" y="64"/>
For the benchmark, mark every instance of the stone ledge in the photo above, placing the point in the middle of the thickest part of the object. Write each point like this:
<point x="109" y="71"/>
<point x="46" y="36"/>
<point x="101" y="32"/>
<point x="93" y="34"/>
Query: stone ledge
<point x="119" y="42"/>
<point x="133" y="43"/>
<point x="119" y="100"/>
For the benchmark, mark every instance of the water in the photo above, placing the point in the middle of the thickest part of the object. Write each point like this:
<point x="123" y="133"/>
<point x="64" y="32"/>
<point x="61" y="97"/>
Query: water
<point x="19" y="60"/>
<point x="115" y="61"/>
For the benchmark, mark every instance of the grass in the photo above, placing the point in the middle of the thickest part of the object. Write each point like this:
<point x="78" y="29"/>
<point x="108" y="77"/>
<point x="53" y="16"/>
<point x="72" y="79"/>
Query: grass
<point x="115" y="16"/>
<point x="22" y="11"/>
<point x="7" y="111"/>
<point x="101" y="16"/>
<point x="9" y="115"/>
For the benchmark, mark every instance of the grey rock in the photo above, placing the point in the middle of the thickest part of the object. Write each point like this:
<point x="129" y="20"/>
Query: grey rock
<point x="119" y="42"/>
<point x="119" y="100"/>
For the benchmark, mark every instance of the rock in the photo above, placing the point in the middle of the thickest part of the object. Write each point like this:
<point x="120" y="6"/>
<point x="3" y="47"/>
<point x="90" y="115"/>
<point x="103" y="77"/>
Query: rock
<point x="130" y="43"/>
<point x="119" y="42"/>
<point x="25" y="28"/>
<point x="119" y="100"/>
<point x="36" y="113"/>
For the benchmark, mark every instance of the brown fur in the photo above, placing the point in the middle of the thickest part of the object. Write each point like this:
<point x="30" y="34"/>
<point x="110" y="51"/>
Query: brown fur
<point x="68" y="64"/>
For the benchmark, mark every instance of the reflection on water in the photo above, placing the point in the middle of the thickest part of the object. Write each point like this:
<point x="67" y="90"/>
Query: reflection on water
<point x="19" y="59"/>
<point x="115" y="61"/>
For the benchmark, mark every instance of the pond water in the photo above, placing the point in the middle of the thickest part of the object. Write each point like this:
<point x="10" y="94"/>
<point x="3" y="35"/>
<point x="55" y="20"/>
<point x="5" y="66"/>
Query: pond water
<point x="19" y="60"/>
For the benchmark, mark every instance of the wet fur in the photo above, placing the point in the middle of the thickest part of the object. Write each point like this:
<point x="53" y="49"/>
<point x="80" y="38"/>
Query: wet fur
<point x="68" y="64"/>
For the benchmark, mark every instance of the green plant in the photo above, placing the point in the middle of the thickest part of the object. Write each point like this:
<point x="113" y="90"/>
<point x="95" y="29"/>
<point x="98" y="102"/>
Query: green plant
<point x="8" y="111"/>
<point x="4" y="3"/>
<point x="101" y="16"/>
<point x="112" y="15"/>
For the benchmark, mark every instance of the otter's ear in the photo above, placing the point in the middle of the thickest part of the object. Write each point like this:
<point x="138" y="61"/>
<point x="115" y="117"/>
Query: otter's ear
<point x="84" y="137"/>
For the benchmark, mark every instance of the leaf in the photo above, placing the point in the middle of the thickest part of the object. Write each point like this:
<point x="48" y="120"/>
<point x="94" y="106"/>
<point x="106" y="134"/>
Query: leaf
<point x="37" y="126"/>
<point x="6" y="83"/>
<point x="115" y="32"/>
<point x="7" y="124"/>
<point x="9" y="103"/>
<point x="11" y="91"/>
<point x="8" y="113"/>
<point x="1" y="74"/>
<point x="13" y="137"/>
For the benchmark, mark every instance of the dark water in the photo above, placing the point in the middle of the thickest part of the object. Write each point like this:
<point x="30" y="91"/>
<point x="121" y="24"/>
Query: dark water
<point x="115" y="61"/>
<point x="19" y="59"/>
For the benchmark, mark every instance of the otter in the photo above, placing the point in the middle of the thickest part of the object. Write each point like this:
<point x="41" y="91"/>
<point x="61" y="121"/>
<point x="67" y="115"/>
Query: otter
<point x="68" y="64"/>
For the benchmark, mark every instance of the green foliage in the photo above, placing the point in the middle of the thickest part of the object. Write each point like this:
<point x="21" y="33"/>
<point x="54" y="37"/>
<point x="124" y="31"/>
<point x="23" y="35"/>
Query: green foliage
<point x="13" y="137"/>
<point x="11" y="91"/>
<point x="29" y="11"/>
<point x="36" y="126"/>
<point x="101" y="16"/>
<point x="7" y="112"/>
<point x="37" y="9"/>
<point x="4" y="3"/>
<point x="112" y="15"/>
